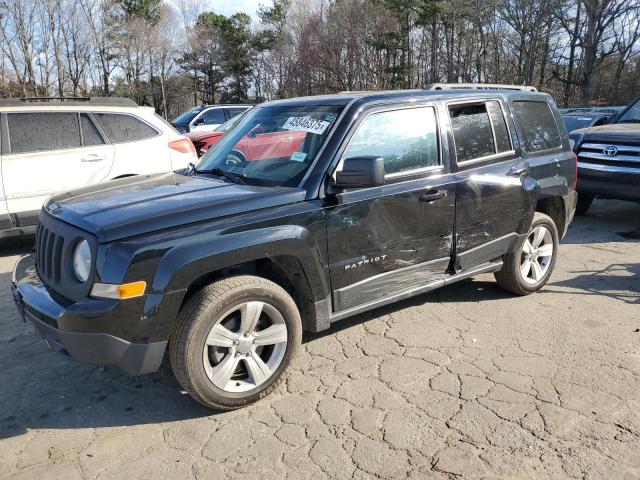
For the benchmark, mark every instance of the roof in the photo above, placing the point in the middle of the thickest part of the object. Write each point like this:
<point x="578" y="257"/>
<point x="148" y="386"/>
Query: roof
<point x="346" y="97"/>
<point x="67" y="101"/>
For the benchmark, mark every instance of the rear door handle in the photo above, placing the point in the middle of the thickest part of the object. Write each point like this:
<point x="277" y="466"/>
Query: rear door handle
<point x="92" y="158"/>
<point x="432" y="195"/>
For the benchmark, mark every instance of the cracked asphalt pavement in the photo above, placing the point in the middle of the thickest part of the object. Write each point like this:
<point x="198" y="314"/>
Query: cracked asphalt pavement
<point x="464" y="382"/>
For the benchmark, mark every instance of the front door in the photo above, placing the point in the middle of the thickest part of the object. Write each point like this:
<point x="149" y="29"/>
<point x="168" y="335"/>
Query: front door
<point x="49" y="153"/>
<point x="398" y="237"/>
<point x="493" y="203"/>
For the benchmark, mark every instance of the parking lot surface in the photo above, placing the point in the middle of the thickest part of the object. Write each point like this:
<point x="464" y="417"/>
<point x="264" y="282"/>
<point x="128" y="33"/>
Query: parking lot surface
<point x="464" y="382"/>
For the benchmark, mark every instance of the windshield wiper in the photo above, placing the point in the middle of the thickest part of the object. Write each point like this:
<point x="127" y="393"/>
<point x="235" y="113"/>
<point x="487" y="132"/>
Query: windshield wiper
<point x="232" y="177"/>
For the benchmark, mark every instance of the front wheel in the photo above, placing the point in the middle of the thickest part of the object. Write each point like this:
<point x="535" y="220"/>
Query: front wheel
<point x="528" y="269"/>
<point x="234" y="340"/>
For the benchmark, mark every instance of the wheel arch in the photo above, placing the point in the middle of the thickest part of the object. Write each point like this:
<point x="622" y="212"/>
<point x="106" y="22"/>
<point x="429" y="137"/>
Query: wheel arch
<point x="291" y="259"/>
<point x="554" y="207"/>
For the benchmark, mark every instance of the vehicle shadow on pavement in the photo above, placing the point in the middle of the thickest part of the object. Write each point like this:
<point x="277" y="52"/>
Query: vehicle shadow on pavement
<point x="620" y="281"/>
<point x="607" y="221"/>
<point x="44" y="391"/>
<point x="470" y="290"/>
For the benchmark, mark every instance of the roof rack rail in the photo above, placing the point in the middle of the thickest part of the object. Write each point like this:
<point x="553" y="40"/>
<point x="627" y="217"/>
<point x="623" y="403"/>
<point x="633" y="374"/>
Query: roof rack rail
<point x="479" y="86"/>
<point x="105" y="101"/>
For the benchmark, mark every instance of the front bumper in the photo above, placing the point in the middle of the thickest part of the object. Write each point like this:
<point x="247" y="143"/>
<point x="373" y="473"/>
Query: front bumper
<point x="609" y="182"/>
<point x="52" y="318"/>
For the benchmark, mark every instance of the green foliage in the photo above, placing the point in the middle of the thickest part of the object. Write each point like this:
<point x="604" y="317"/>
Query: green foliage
<point x="221" y="55"/>
<point x="148" y="10"/>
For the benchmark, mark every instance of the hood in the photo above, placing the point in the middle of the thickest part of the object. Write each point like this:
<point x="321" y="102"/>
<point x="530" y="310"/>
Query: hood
<point x="628" y="133"/>
<point x="137" y="205"/>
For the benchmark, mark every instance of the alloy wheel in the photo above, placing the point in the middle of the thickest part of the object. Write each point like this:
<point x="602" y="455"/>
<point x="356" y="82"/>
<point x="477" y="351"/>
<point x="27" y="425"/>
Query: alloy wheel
<point x="537" y="254"/>
<point x="245" y="347"/>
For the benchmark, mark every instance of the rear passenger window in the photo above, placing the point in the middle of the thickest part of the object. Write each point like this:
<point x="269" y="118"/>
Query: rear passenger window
<point x="35" y="132"/>
<point x="90" y="134"/>
<point x="471" y="131"/>
<point x="124" y="128"/>
<point x="234" y="112"/>
<point x="538" y="126"/>
<point x="213" y="116"/>
<point x="406" y="139"/>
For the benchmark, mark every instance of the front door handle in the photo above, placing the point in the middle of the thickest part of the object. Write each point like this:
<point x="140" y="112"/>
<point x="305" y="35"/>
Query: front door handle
<point x="432" y="195"/>
<point x="92" y="158"/>
<point x="517" y="171"/>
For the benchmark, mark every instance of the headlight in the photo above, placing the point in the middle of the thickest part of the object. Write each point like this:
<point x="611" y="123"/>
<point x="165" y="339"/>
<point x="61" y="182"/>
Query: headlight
<point x="82" y="261"/>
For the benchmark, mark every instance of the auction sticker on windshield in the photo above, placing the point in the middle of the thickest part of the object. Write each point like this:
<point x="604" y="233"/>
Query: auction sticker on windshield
<point x="306" y="124"/>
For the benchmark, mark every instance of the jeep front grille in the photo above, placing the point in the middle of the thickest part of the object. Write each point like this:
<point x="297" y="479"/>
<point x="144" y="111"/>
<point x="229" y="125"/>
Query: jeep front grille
<point x="49" y="247"/>
<point x="55" y="244"/>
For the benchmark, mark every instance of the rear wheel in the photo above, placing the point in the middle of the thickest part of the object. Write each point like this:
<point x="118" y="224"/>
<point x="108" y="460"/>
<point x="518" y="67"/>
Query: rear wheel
<point x="234" y="340"/>
<point x="528" y="269"/>
<point x="584" y="203"/>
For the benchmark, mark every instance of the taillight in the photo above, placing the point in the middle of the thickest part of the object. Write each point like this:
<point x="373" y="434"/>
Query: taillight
<point x="575" y="179"/>
<point x="183" y="145"/>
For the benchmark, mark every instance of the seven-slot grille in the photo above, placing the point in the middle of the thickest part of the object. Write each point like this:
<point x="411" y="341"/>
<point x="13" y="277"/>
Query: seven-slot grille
<point x="610" y="157"/>
<point x="56" y="241"/>
<point x="49" y="248"/>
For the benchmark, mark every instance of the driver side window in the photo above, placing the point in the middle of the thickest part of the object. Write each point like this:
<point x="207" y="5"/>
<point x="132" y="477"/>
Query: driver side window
<point x="407" y="139"/>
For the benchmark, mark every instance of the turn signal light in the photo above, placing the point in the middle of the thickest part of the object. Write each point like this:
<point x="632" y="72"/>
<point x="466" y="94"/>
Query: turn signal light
<point x="119" y="292"/>
<point x="183" y="145"/>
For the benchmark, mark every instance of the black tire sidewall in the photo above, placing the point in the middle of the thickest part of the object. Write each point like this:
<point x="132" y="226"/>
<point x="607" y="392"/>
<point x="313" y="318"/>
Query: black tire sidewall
<point x="548" y="223"/>
<point x="584" y="203"/>
<point x="205" y="321"/>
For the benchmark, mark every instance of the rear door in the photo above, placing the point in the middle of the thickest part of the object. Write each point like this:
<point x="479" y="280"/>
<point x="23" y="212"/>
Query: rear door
<point x="139" y="147"/>
<point x="387" y="240"/>
<point x="493" y="200"/>
<point x="50" y="152"/>
<point x="208" y="120"/>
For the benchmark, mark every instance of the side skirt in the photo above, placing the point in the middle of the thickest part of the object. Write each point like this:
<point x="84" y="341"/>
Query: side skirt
<point x="448" y="280"/>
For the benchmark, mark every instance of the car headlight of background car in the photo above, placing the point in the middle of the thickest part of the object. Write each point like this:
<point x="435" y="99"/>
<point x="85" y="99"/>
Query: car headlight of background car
<point x="82" y="261"/>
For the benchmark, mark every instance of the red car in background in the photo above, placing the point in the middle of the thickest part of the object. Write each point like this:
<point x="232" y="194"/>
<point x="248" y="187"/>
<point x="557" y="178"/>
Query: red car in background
<point x="259" y="144"/>
<point x="203" y="140"/>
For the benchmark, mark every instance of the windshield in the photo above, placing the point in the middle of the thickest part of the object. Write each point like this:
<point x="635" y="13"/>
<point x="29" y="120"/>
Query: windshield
<point x="632" y="115"/>
<point x="186" y="117"/>
<point x="272" y="145"/>
<point x="574" y="123"/>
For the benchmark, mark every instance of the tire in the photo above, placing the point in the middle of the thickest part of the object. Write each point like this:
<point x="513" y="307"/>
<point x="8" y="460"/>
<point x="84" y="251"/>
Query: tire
<point x="230" y="372"/>
<point x="584" y="203"/>
<point x="519" y="273"/>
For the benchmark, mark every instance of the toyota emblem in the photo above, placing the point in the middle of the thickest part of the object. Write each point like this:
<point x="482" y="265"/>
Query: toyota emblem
<point x="610" y="151"/>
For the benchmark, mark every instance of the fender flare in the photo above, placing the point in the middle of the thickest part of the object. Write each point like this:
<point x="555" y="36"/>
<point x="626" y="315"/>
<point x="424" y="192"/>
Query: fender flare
<point x="185" y="263"/>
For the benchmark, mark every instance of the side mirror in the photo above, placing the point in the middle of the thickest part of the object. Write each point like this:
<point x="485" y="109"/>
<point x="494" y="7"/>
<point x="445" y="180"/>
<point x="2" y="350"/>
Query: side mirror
<point x="198" y="121"/>
<point x="361" y="172"/>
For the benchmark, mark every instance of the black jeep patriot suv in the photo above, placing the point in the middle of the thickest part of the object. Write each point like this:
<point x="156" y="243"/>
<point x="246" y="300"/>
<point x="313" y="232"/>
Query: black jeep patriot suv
<point x="383" y="196"/>
<point x="609" y="159"/>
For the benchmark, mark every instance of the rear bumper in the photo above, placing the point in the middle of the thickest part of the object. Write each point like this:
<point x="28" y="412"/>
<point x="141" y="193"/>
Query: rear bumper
<point x="36" y="304"/>
<point x="570" y="202"/>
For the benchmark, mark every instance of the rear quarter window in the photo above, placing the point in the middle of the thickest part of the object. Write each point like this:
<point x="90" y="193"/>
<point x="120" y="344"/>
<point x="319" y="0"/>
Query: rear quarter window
<point x="121" y="127"/>
<point x="539" y="128"/>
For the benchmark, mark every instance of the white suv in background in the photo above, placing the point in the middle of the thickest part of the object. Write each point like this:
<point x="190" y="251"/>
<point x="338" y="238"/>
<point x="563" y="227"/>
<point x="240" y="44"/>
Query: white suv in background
<point x="49" y="146"/>
<point x="206" y="118"/>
